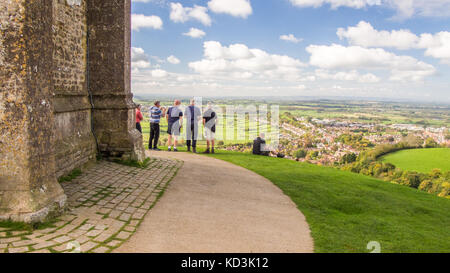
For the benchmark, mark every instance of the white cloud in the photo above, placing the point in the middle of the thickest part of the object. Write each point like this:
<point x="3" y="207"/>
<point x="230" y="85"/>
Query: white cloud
<point x="436" y="46"/>
<point x="355" y="57"/>
<point x="139" y="60"/>
<point x="404" y="8"/>
<point x="365" y="35"/>
<point x="173" y="60"/>
<point x="195" y="33"/>
<point x="290" y="38"/>
<point x="352" y="75"/>
<point x="243" y="62"/>
<point x="159" y="73"/>
<point x="180" y="14"/>
<point x="357" y="4"/>
<point x="424" y="8"/>
<point x="237" y="8"/>
<point x="139" y="21"/>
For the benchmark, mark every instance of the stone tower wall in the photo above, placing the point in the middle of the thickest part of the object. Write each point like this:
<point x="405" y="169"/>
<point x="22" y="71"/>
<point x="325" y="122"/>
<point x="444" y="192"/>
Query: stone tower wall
<point x="74" y="142"/>
<point x="65" y="73"/>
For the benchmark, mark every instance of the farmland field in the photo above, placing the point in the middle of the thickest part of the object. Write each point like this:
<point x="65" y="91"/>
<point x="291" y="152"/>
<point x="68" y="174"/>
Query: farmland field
<point x="420" y="160"/>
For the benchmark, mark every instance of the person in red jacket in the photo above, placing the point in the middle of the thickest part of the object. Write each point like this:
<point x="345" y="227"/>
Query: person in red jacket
<point x="139" y="118"/>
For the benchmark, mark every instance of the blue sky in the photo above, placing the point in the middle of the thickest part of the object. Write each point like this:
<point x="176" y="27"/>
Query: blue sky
<point x="361" y="48"/>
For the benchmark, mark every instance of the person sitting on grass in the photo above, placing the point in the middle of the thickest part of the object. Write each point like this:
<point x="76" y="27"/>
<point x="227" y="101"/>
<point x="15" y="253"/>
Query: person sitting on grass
<point x="174" y="118"/>
<point x="210" y="122"/>
<point x="259" y="146"/>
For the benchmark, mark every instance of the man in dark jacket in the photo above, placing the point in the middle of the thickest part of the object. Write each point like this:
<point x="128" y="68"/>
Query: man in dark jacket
<point x="193" y="115"/>
<point x="259" y="145"/>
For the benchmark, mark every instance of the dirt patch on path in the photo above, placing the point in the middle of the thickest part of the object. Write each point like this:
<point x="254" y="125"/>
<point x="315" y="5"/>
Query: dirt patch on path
<point x="216" y="207"/>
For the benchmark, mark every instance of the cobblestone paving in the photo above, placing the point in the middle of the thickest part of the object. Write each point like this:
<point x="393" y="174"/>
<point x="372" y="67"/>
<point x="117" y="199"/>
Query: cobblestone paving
<point x="106" y="205"/>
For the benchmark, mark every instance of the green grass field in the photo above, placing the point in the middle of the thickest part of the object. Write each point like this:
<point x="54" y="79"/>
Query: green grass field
<point x="346" y="211"/>
<point x="420" y="160"/>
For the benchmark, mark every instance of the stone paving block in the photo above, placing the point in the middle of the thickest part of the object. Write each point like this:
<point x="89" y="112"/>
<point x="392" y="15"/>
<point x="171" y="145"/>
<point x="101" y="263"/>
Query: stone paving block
<point x="43" y="245"/>
<point x="82" y="239"/>
<point x="41" y="251"/>
<point x="47" y="237"/>
<point x="88" y="246"/>
<point x="62" y="239"/>
<point x="129" y="228"/>
<point x="77" y="233"/>
<point x="115" y="214"/>
<point x="18" y="250"/>
<point x="103" y="237"/>
<point x="134" y="223"/>
<point x="94" y="233"/>
<point x="47" y="230"/>
<point x="86" y="227"/>
<point x="114" y="243"/>
<point x="101" y="249"/>
<point x="65" y="229"/>
<point x="125" y="217"/>
<point x="60" y="248"/>
<point x="138" y="215"/>
<point x="123" y="235"/>
<point x="101" y="227"/>
<point x="9" y="240"/>
<point x="130" y="210"/>
<point x="18" y="233"/>
<point x="22" y="243"/>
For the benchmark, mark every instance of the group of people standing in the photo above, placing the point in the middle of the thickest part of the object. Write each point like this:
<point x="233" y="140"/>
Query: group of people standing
<point x="174" y="116"/>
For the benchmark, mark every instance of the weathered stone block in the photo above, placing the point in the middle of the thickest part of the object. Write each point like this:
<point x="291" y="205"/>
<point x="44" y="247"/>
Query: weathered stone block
<point x="61" y="87"/>
<point x="27" y="162"/>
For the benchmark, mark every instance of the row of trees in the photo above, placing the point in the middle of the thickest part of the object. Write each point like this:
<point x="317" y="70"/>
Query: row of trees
<point x="368" y="163"/>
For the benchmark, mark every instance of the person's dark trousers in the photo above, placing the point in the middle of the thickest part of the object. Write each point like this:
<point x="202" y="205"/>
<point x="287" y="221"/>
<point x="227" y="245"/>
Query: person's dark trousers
<point x="139" y="127"/>
<point x="154" y="135"/>
<point x="191" y="137"/>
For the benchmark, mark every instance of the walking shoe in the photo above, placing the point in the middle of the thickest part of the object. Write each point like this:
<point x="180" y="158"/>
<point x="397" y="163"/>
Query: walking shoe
<point x="189" y="149"/>
<point x="194" y="150"/>
<point x="175" y="149"/>
<point x="212" y="151"/>
<point x="170" y="149"/>
<point x="156" y="149"/>
<point x="206" y="152"/>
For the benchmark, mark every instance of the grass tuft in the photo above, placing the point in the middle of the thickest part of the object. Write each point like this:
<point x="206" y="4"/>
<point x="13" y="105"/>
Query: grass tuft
<point x="74" y="174"/>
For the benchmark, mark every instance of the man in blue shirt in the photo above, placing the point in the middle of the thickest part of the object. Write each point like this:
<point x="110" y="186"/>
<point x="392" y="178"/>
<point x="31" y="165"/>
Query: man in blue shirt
<point x="156" y="112"/>
<point x="193" y="115"/>
<point x="174" y="118"/>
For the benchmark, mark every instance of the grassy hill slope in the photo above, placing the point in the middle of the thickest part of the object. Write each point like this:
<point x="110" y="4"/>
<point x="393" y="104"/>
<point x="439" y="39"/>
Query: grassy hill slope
<point x="420" y="160"/>
<point x="346" y="211"/>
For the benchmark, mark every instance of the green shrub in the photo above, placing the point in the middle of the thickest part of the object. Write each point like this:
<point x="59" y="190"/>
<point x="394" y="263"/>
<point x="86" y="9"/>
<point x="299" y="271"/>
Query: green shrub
<point x="300" y="154"/>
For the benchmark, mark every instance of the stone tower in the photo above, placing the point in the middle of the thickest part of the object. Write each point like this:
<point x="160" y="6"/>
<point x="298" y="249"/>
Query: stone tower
<point x="65" y="97"/>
